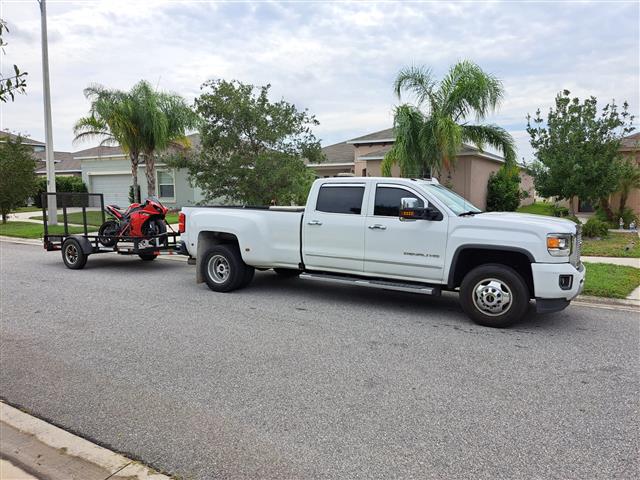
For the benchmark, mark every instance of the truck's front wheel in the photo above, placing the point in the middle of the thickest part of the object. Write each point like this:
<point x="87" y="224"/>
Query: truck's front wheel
<point x="224" y="270"/>
<point x="494" y="295"/>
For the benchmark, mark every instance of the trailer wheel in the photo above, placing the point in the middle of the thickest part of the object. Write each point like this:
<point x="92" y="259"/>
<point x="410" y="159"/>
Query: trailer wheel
<point x="72" y="254"/>
<point x="224" y="270"/>
<point x="494" y="295"/>
<point x="147" y="257"/>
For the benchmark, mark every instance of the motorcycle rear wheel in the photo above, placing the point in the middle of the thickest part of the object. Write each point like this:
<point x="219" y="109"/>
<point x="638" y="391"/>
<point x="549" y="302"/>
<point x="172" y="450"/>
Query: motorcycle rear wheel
<point x="107" y="233"/>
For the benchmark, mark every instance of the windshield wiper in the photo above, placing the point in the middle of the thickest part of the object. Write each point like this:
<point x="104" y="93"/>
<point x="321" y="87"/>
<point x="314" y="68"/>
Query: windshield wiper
<point x="466" y="214"/>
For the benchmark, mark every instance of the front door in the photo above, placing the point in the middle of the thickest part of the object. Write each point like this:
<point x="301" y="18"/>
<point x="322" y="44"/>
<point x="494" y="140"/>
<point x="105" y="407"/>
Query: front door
<point x="333" y="231"/>
<point x="411" y="249"/>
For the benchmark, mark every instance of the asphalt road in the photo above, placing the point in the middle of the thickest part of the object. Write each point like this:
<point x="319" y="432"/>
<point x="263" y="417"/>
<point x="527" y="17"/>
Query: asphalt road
<point x="294" y="379"/>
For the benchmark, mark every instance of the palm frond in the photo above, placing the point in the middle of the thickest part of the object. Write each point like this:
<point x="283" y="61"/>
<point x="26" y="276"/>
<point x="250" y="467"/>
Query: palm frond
<point x="417" y="80"/>
<point x="492" y="135"/>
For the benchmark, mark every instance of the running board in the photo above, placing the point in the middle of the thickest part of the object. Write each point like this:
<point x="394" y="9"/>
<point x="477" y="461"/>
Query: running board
<point x="383" y="284"/>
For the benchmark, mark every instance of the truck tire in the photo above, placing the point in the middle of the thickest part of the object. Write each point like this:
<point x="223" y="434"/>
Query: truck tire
<point x="224" y="270"/>
<point x="248" y="276"/>
<point x="494" y="295"/>
<point x="287" y="272"/>
<point x="147" y="257"/>
<point x="72" y="254"/>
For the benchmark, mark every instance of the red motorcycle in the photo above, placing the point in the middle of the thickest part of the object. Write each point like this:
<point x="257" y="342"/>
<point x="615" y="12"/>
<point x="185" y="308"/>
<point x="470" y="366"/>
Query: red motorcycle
<point x="139" y="220"/>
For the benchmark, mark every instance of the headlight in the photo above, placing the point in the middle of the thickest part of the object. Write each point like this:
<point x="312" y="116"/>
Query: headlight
<point x="559" y="244"/>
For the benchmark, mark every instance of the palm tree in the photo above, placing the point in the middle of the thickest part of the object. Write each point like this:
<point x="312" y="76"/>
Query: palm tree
<point x="629" y="180"/>
<point x="142" y="121"/>
<point x="429" y="134"/>
<point x="167" y="119"/>
<point x="114" y="117"/>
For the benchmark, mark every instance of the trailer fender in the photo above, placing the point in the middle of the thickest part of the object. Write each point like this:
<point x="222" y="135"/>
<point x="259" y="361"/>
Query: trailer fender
<point x="85" y="244"/>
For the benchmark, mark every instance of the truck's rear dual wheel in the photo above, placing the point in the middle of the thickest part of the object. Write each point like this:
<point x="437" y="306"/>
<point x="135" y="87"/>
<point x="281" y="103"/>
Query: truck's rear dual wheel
<point x="494" y="295"/>
<point x="224" y="270"/>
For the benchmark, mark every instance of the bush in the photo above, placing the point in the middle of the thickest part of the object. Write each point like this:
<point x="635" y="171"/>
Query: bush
<point x="503" y="190"/>
<point x="559" y="210"/>
<point x="574" y="219"/>
<point x="63" y="184"/>
<point x="595" y="228"/>
<point x="627" y="216"/>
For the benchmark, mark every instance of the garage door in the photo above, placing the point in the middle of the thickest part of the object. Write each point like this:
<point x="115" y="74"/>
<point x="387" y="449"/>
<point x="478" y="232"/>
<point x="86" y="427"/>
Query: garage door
<point x="115" y="188"/>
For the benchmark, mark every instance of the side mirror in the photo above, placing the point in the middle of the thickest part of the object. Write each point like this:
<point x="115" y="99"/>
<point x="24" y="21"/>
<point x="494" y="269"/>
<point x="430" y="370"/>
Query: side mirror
<point x="409" y="210"/>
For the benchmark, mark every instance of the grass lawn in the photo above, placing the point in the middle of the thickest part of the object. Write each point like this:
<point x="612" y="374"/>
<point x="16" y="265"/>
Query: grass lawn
<point x="613" y="281"/>
<point x="538" y="208"/>
<point x="32" y="230"/>
<point x="27" y="209"/>
<point x="612" y="246"/>
<point x="95" y="218"/>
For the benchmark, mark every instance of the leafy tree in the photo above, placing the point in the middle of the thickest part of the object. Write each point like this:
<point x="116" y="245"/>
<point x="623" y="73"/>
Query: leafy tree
<point x="503" y="189"/>
<point x="430" y="133"/>
<point x="252" y="148"/>
<point x="576" y="149"/>
<point x="15" y="83"/>
<point x="142" y="121"/>
<point x="63" y="184"/>
<point x="17" y="175"/>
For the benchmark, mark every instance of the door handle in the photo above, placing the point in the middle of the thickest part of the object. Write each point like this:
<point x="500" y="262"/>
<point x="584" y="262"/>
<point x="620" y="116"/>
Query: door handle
<point x="377" y="226"/>
<point x="314" y="222"/>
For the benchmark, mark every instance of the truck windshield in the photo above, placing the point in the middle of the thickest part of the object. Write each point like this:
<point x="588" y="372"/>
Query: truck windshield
<point x="455" y="202"/>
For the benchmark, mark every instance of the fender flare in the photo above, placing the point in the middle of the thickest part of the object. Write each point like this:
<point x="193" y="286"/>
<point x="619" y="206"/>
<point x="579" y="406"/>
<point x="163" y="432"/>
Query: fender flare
<point x="479" y="246"/>
<point x="85" y="244"/>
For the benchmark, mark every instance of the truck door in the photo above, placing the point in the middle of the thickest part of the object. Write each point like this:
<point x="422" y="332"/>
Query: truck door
<point x="412" y="249"/>
<point x="333" y="229"/>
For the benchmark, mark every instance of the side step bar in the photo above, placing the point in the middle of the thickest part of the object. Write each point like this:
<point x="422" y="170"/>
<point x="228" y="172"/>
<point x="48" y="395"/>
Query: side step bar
<point x="372" y="283"/>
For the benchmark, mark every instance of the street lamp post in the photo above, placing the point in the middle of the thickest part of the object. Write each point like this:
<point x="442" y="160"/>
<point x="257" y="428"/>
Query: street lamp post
<point x="52" y="213"/>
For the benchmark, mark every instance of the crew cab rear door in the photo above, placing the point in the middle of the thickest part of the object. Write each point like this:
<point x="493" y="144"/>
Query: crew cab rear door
<point x="333" y="228"/>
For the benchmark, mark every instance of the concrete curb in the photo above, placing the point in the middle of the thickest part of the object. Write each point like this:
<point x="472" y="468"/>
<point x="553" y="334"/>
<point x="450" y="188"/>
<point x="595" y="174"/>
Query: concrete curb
<point x="79" y="455"/>
<point x="610" y="303"/>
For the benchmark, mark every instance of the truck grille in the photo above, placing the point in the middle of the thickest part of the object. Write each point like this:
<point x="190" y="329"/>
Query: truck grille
<point x="576" y="247"/>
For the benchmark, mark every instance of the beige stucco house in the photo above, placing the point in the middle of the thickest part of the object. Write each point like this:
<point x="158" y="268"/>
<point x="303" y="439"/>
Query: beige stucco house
<point x="362" y="156"/>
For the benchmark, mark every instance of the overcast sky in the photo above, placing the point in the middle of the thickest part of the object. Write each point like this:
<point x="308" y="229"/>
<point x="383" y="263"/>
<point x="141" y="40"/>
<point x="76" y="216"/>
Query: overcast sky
<point x="336" y="59"/>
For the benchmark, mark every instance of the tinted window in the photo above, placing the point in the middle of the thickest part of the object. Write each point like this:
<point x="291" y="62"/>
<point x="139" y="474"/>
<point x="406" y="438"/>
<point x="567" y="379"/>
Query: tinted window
<point x="340" y="199"/>
<point x="388" y="201"/>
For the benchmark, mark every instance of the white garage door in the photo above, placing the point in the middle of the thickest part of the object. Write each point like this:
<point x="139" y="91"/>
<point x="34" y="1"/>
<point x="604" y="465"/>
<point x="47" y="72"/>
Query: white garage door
<point x="115" y="188"/>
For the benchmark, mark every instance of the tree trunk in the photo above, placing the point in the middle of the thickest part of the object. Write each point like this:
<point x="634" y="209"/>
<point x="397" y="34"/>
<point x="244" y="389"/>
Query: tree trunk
<point x="606" y="207"/>
<point x="150" y="171"/>
<point x="623" y="200"/>
<point x="4" y="218"/>
<point x="134" y="177"/>
<point x="572" y="210"/>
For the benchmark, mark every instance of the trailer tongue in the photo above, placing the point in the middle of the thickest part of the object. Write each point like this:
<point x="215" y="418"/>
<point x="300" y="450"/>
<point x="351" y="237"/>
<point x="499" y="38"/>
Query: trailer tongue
<point x="77" y="237"/>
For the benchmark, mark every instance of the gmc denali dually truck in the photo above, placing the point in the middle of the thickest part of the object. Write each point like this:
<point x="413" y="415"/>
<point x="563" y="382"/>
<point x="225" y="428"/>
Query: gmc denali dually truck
<point x="395" y="234"/>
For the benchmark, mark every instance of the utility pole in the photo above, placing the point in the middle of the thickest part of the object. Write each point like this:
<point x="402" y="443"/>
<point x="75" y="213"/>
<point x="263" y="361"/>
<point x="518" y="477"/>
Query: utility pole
<point x="52" y="213"/>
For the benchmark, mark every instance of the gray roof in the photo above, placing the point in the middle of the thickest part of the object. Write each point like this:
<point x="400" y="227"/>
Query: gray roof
<point x="99" y="151"/>
<point x="376" y="154"/>
<point x="631" y="142"/>
<point x="382" y="136"/>
<point x="339" y="153"/>
<point x="63" y="161"/>
<point x="25" y="140"/>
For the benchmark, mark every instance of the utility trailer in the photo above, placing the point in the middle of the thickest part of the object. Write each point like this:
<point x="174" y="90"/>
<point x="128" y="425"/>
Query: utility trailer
<point x="78" y="211"/>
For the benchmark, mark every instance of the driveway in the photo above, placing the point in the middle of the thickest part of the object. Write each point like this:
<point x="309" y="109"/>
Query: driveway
<point x="288" y="379"/>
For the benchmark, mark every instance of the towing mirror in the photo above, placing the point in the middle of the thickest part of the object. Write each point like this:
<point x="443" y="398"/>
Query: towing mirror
<point x="409" y="210"/>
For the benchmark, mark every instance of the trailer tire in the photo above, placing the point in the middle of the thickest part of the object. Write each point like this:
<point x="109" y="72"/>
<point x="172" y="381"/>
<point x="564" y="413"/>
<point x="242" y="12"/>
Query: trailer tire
<point x="72" y="254"/>
<point x="494" y="295"/>
<point x="224" y="270"/>
<point x="147" y="257"/>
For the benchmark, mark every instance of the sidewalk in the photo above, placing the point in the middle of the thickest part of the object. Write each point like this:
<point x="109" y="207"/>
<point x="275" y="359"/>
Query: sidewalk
<point x="34" y="449"/>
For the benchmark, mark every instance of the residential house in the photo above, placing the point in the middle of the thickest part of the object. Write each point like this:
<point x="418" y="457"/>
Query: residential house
<point x="64" y="163"/>
<point x="362" y="156"/>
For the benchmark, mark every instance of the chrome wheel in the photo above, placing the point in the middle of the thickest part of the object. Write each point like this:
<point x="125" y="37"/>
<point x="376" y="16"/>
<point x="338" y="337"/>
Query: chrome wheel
<point x="71" y="254"/>
<point x="218" y="268"/>
<point x="492" y="297"/>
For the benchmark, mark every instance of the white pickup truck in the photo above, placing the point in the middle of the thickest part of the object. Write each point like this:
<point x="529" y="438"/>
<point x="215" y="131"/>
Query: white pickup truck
<point x="395" y="234"/>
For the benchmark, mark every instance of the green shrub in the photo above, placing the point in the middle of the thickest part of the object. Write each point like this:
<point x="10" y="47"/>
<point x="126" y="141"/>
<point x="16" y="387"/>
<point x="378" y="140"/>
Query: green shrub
<point x="595" y="228"/>
<point x="559" y="210"/>
<point x="574" y="219"/>
<point x="63" y="184"/>
<point x="627" y="216"/>
<point x="503" y="190"/>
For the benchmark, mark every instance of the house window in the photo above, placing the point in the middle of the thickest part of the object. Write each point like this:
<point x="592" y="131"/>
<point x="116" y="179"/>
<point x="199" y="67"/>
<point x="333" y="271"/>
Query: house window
<point x="166" y="184"/>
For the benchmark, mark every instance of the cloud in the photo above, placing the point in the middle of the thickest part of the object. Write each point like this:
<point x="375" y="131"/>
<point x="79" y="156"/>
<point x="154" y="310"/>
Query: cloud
<point x="336" y="59"/>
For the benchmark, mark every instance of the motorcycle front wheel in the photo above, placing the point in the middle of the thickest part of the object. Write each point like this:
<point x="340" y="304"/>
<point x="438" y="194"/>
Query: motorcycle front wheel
<point x="107" y="233"/>
<point x="155" y="227"/>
